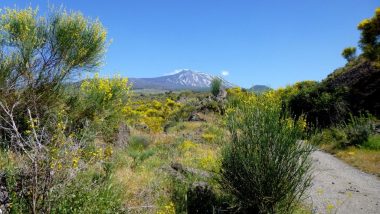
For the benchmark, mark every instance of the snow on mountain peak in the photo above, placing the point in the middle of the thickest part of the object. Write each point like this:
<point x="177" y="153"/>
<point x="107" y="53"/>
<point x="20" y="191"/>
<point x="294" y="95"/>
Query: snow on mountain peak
<point x="183" y="79"/>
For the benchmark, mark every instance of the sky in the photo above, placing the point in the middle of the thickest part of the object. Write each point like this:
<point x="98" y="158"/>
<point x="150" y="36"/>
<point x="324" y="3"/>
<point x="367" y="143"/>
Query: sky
<point x="248" y="42"/>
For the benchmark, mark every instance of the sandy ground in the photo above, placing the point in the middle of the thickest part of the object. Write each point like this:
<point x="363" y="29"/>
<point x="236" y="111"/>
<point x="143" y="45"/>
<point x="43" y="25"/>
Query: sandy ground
<point x="340" y="188"/>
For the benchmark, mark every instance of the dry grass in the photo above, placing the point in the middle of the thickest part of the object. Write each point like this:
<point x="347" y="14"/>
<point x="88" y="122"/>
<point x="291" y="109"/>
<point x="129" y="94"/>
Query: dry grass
<point x="366" y="160"/>
<point x="366" y="157"/>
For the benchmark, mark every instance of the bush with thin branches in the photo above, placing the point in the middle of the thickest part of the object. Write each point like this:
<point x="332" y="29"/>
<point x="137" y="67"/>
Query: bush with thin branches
<point x="265" y="167"/>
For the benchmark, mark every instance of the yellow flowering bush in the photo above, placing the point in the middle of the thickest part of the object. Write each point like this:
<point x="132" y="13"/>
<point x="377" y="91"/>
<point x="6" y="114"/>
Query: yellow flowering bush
<point x="187" y="145"/>
<point x="103" y="101"/>
<point x="208" y="137"/>
<point x="154" y="114"/>
<point x="209" y="161"/>
<point x="104" y="90"/>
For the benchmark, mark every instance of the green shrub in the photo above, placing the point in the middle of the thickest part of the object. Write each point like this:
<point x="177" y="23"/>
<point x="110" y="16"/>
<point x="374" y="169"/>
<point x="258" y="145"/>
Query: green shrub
<point x="178" y="195"/>
<point x="335" y="137"/>
<point x="358" y="130"/>
<point x="59" y="46"/>
<point x="200" y="198"/>
<point x="138" y="149"/>
<point x="321" y="106"/>
<point x="138" y="142"/>
<point x="216" y="85"/>
<point x="373" y="142"/>
<point x="183" y="113"/>
<point x="349" y="53"/>
<point x="101" y="102"/>
<point x="355" y="132"/>
<point x="369" y="40"/>
<point x="264" y="166"/>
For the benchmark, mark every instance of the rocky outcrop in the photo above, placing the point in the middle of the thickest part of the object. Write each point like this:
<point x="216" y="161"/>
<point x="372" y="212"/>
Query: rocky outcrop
<point x="123" y="135"/>
<point x="195" y="117"/>
<point x="363" y="84"/>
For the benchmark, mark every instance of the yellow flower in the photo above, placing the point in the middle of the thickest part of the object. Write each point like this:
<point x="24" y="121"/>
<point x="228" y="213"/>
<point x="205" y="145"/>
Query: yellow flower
<point x="208" y="137"/>
<point x="75" y="162"/>
<point x="167" y="209"/>
<point x="364" y="23"/>
<point x="330" y="207"/>
<point x="187" y="145"/>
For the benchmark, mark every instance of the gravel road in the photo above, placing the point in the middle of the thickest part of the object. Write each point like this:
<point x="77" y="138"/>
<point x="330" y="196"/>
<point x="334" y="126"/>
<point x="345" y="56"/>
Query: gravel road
<point x="340" y="188"/>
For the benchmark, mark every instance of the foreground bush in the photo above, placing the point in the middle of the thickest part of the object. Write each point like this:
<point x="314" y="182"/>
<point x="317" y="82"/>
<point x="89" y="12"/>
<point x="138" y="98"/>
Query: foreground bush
<point x="45" y="159"/>
<point x="38" y="54"/>
<point x="264" y="166"/>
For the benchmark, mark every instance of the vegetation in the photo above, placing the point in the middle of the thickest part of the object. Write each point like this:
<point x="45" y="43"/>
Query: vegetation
<point x="264" y="167"/>
<point x="216" y="85"/>
<point x="349" y="53"/>
<point x="46" y="151"/>
<point x="369" y="41"/>
<point x="354" y="133"/>
<point x="95" y="146"/>
<point x="348" y="90"/>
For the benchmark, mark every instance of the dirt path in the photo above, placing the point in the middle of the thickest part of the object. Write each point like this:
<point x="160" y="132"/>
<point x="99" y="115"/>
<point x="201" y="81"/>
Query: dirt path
<point x="340" y="188"/>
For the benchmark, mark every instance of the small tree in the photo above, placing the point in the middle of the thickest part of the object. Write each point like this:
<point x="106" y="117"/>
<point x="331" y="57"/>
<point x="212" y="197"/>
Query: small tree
<point x="38" y="54"/>
<point x="216" y="85"/>
<point x="370" y="36"/>
<point x="349" y="53"/>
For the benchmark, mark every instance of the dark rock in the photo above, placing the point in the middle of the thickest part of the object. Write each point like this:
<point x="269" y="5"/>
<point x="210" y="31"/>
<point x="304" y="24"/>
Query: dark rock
<point x="190" y="171"/>
<point x="174" y="173"/>
<point x="177" y="167"/>
<point x="222" y="94"/>
<point x="377" y="128"/>
<point x="363" y="82"/>
<point x="141" y="127"/>
<point x="195" y="117"/>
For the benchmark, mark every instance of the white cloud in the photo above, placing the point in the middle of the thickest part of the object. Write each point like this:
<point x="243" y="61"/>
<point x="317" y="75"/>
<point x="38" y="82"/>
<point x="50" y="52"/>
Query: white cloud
<point x="225" y="73"/>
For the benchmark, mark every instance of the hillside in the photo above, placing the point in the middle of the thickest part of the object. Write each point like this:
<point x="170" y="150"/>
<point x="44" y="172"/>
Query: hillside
<point x="363" y="83"/>
<point x="259" y="88"/>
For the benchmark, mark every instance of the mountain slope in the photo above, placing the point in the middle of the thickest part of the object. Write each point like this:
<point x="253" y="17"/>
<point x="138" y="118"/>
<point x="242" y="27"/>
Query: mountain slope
<point x="185" y="79"/>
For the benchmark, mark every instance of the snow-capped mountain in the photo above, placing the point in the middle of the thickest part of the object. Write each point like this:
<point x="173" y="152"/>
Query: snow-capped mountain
<point x="185" y="79"/>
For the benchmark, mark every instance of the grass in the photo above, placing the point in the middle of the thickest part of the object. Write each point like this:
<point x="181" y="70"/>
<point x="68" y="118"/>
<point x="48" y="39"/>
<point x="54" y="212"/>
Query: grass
<point x="147" y="187"/>
<point x="303" y="209"/>
<point x="362" y="158"/>
<point x="373" y="142"/>
<point x="365" y="157"/>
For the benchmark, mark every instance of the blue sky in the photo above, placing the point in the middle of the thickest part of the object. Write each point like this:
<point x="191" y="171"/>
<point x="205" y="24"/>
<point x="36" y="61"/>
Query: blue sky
<point x="272" y="42"/>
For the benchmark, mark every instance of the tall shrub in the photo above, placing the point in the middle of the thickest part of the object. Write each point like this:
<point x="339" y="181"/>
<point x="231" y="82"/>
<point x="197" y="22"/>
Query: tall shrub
<point x="369" y="40"/>
<point x="101" y="101"/>
<point x="264" y="166"/>
<point x="38" y="54"/>
<point x="216" y="85"/>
